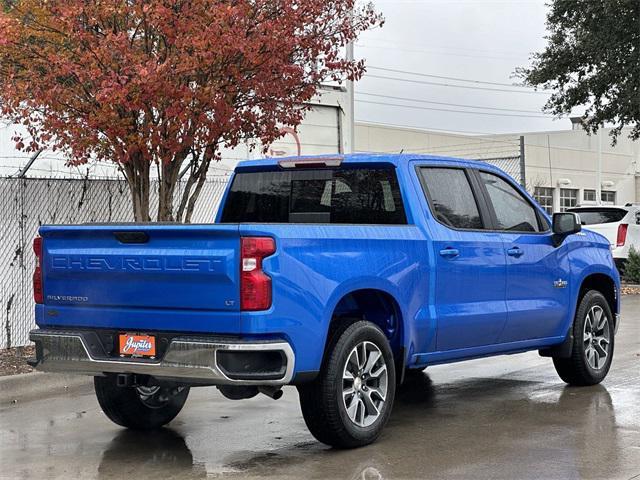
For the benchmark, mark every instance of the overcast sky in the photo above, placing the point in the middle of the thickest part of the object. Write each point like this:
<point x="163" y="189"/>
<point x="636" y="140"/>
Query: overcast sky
<point x="481" y="40"/>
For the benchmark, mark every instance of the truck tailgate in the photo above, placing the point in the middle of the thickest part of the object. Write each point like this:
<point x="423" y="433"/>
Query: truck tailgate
<point x="142" y="266"/>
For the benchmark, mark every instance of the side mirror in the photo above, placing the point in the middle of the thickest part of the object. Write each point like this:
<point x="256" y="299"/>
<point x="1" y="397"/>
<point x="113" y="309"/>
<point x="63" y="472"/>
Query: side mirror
<point x="637" y="218"/>
<point x="565" y="224"/>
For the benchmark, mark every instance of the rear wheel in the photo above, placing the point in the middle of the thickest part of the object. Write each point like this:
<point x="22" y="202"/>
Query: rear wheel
<point x="593" y="342"/>
<point x="350" y="402"/>
<point x="140" y="407"/>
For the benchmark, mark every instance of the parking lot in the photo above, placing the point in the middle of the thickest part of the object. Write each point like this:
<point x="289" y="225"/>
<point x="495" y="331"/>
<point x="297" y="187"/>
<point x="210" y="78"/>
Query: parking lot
<point x="503" y="417"/>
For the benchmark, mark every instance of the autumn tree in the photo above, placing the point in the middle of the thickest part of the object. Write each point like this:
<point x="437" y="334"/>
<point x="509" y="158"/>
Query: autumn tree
<point x="592" y="60"/>
<point x="162" y="85"/>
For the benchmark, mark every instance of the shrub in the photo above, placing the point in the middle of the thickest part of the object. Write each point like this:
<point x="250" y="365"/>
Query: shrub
<point x="632" y="267"/>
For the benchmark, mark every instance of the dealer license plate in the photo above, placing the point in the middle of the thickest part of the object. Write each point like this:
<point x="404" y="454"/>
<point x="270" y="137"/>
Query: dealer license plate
<point x="132" y="345"/>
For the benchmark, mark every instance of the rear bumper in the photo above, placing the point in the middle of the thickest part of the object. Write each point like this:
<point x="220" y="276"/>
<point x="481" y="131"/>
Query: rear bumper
<point x="191" y="359"/>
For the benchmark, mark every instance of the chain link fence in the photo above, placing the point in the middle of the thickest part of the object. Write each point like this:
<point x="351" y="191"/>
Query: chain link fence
<point x="512" y="165"/>
<point x="27" y="203"/>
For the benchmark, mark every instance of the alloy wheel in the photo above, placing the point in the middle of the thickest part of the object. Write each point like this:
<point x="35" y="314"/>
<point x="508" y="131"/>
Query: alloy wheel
<point x="364" y="384"/>
<point x="596" y="338"/>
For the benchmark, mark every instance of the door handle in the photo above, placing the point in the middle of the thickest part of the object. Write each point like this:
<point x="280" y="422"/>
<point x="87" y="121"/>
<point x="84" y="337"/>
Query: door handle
<point x="449" y="252"/>
<point x="515" y="252"/>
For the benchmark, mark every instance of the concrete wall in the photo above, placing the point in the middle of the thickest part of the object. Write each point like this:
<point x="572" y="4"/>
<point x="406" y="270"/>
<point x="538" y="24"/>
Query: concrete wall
<point x="324" y="130"/>
<point x="387" y="139"/>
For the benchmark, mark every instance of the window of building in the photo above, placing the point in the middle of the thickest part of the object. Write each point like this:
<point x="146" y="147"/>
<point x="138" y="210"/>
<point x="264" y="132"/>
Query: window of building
<point x="568" y="198"/>
<point x="451" y="198"/>
<point x="513" y="212"/>
<point x="608" y="197"/>
<point x="544" y="196"/>
<point x="589" y="195"/>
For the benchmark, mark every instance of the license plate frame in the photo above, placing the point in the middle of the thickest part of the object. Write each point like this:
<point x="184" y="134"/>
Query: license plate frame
<point x="136" y="345"/>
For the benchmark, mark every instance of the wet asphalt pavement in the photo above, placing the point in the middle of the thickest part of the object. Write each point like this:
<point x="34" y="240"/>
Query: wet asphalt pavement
<point x="506" y="417"/>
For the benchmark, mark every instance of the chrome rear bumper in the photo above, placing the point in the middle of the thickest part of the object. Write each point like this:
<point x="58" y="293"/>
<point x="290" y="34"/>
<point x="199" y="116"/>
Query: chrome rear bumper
<point x="193" y="359"/>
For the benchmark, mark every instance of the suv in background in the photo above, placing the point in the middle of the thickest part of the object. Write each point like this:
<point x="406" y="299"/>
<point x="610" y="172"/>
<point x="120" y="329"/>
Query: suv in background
<point x="620" y="225"/>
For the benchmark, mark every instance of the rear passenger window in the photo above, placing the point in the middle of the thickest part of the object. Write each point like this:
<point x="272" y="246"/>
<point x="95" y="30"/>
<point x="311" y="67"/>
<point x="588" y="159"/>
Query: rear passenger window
<point x="451" y="198"/>
<point x="359" y="195"/>
<point x="513" y="211"/>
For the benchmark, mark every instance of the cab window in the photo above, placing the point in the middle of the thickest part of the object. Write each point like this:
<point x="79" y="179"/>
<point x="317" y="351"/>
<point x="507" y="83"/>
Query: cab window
<point x="513" y="211"/>
<point x="451" y="198"/>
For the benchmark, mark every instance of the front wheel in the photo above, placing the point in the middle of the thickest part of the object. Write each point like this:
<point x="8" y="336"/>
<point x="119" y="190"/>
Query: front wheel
<point x="350" y="402"/>
<point x="593" y="342"/>
<point x="140" y="407"/>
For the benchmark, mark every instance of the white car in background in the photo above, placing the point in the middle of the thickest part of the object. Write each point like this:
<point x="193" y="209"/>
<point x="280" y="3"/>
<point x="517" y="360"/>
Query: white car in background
<point x="621" y="226"/>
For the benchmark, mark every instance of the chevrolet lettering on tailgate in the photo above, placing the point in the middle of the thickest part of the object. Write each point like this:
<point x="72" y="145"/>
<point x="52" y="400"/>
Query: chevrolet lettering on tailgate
<point x="135" y="263"/>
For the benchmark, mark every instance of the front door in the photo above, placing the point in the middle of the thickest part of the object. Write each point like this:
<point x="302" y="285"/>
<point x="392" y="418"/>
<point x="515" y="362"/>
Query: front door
<point x="538" y="292"/>
<point x="470" y="281"/>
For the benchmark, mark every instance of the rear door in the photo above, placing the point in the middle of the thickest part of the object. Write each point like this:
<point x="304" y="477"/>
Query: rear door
<point x="470" y="261"/>
<point x="537" y="292"/>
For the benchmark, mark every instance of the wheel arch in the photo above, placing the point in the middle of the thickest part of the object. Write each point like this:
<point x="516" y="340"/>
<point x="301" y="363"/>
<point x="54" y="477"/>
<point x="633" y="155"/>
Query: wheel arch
<point x="376" y="305"/>
<point x="604" y="284"/>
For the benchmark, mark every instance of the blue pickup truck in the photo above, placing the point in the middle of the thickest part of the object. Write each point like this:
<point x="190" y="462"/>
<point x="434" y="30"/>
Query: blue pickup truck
<point x="339" y="275"/>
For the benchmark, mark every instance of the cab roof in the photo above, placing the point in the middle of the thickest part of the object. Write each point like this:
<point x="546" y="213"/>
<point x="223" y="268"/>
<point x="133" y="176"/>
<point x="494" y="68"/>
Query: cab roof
<point x="397" y="159"/>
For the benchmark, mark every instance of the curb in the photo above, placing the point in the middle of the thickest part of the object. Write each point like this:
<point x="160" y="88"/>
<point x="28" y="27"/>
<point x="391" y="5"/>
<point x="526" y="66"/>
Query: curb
<point x="37" y="385"/>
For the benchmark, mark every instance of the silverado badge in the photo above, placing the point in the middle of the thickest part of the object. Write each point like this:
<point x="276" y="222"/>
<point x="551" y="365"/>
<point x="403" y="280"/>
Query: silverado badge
<point x="560" y="283"/>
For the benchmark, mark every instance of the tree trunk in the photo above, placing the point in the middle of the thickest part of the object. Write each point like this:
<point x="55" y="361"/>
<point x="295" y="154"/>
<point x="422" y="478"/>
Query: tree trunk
<point x="166" y="188"/>
<point x="197" y="177"/>
<point x="169" y="176"/>
<point x="137" y="174"/>
<point x="194" y="196"/>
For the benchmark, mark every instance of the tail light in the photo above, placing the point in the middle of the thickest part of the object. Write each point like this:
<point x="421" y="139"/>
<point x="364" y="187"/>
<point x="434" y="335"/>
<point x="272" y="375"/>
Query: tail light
<point x="255" y="285"/>
<point x="38" y="295"/>
<point x="622" y="234"/>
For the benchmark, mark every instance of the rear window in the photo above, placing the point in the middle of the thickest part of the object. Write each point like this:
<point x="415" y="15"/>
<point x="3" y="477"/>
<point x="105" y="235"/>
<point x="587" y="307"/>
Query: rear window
<point x="451" y="197"/>
<point x="348" y="196"/>
<point x="592" y="216"/>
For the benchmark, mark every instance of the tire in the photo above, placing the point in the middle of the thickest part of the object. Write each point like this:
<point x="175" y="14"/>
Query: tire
<point x="586" y="366"/>
<point x="325" y="411"/>
<point x="139" y="408"/>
